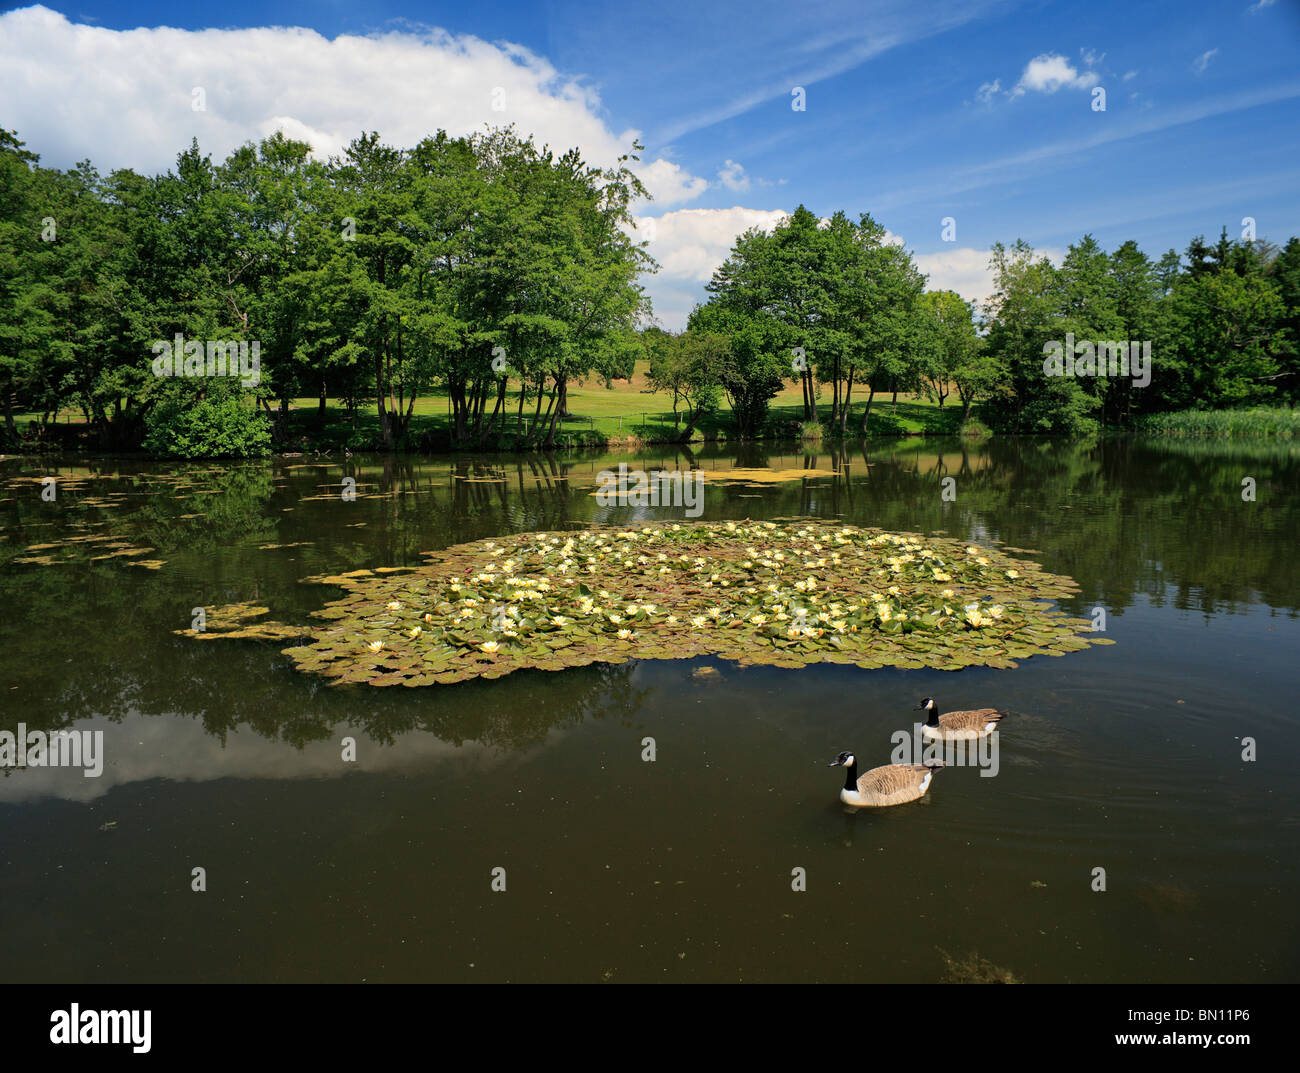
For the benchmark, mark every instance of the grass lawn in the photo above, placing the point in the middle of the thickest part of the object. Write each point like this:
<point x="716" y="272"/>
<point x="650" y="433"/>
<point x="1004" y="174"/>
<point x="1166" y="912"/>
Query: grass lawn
<point x="597" y="414"/>
<point x="628" y="408"/>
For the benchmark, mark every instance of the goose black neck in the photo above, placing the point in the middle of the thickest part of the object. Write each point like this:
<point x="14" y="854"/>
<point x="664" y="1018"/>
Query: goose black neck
<point x="851" y="777"/>
<point x="932" y="716"/>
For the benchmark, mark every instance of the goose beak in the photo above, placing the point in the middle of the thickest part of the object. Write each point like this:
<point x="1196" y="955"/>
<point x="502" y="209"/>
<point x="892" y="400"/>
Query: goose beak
<point x="834" y="763"/>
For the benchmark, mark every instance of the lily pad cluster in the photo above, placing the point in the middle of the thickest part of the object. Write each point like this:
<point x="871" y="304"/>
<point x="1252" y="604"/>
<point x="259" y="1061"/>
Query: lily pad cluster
<point x="785" y="594"/>
<point x="240" y="622"/>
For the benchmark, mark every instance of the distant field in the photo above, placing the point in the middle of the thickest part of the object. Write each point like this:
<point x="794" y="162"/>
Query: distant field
<point x="629" y="408"/>
<point x="626" y="408"/>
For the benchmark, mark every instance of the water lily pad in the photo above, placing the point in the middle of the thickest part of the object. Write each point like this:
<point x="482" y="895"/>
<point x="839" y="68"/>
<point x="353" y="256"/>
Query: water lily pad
<point x="781" y="593"/>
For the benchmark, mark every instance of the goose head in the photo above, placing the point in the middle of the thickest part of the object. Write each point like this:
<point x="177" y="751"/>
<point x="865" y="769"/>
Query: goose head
<point x="843" y="760"/>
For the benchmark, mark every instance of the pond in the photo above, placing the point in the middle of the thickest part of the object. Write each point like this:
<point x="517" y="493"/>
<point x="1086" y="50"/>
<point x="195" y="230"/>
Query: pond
<point x="1166" y="759"/>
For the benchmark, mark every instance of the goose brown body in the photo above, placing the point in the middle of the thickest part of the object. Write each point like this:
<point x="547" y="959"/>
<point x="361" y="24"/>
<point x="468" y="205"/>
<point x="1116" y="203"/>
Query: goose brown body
<point x="891" y="784"/>
<point x="958" y="726"/>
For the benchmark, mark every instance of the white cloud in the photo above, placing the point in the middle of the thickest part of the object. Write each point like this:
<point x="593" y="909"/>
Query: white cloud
<point x="1259" y="6"/>
<point x="962" y="269"/>
<point x="988" y="91"/>
<point x="733" y="177"/>
<point x="966" y="271"/>
<point x="124" y="98"/>
<point x="1129" y="75"/>
<point x="689" y="245"/>
<point x="1203" y="61"/>
<point x="169" y="746"/>
<point x="669" y="183"/>
<point x="1049" y="72"/>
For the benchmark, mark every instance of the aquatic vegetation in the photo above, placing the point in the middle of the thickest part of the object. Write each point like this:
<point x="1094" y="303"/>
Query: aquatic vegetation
<point x="974" y="969"/>
<point x="753" y="592"/>
<point x="1260" y="421"/>
<point x="237" y="622"/>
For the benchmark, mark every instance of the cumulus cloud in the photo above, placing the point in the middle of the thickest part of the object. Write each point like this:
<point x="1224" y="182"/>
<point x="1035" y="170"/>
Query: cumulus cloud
<point x="669" y="183"/>
<point x="966" y="271"/>
<point x="733" y="177"/>
<point x="689" y="245"/>
<point x="142" y="748"/>
<point x="1050" y="72"/>
<point x="126" y="98"/>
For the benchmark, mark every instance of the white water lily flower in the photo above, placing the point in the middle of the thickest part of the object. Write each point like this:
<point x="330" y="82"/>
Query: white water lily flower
<point x="1013" y="574"/>
<point x="559" y="620"/>
<point x="489" y="646"/>
<point x="699" y="621"/>
<point x="626" y="635"/>
<point x="375" y="646"/>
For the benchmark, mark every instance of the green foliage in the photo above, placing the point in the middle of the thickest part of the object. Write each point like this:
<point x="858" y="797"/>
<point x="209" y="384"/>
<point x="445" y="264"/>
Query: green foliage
<point x="834" y="301"/>
<point x="817" y="592"/>
<point x="223" y="423"/>
<point x="1282" y="424"/>
<point x="490" y="268"/>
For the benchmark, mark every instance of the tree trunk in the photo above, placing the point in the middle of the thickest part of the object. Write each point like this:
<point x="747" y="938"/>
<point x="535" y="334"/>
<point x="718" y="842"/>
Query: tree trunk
<point x="385" y="427"/>
<point x="497" y="409"/>
<point x="10" y="427"/>
<point x="871" y="394"/>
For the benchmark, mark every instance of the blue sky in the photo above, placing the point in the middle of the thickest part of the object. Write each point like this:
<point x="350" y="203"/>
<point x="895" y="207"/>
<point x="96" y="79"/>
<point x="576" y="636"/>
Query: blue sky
<point x="983" y="112"/>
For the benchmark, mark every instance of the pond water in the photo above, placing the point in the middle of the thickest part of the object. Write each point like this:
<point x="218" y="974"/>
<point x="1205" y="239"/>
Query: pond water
<point x="219" y="755"/>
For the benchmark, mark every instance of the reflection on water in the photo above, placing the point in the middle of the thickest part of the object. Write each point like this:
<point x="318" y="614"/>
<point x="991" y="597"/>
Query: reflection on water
<point x="1127" y="758"/>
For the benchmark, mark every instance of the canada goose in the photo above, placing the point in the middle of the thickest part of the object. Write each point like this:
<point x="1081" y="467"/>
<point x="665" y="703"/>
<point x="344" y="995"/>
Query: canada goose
<point x="957" y="726"/>
<point x="893" y="784"/>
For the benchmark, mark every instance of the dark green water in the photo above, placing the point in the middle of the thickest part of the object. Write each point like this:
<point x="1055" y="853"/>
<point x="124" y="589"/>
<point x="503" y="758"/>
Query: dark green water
<point x="219" y="756"/>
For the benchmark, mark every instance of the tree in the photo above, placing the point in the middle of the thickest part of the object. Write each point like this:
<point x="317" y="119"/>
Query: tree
<point x="1025" y="312"/>
<point x="954" y="355"/>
